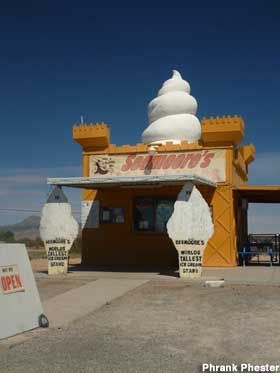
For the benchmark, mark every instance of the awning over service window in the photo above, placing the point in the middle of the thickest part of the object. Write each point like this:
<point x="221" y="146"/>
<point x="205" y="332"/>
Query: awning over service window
<point x="126" y="181"/>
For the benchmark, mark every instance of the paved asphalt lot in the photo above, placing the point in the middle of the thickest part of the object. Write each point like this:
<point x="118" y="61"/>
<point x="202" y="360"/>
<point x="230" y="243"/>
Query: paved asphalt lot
<point x="161" y="326"/>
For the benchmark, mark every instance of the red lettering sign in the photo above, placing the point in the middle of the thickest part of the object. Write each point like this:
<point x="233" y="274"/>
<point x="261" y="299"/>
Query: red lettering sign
<point x="128" y="163"/>
<point x="147" y="163"/>
<point x="10" y="279"/>
<point x="207" y="159"/>
<point x="194" y="160"/>
<point x="178" y="161"/>
<point x="210" y="164"/>
<point x="158" y="161"/>
<point x="170" y="161"/>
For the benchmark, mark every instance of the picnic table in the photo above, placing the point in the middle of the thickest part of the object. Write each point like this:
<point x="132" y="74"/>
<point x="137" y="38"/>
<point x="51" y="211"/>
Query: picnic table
<point x="256" y="249"/>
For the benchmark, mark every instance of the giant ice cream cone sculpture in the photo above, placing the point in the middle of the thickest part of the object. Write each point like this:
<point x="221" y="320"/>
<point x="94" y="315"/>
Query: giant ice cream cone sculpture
<point x="190" y="227"/>
<point x="172" y="114"/>
<point x="58" y="230"/>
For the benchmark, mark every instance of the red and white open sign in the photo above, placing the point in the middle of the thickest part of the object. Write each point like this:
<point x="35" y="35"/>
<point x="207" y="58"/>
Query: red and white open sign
<point x="10" y="279"/>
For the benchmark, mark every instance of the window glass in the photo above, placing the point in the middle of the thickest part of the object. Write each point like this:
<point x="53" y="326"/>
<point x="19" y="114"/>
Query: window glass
<point x="117" y="215"/>
<point x="113" y="215"/>
<point x="144" y="214"/>
<point x="152" y="214"/>
<point x="164" y="209"/>
<point x="105" y="215"/>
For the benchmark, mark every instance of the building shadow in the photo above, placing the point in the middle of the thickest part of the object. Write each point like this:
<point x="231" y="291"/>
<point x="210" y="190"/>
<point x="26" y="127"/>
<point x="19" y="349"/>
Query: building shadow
<point x="161" y="271"/>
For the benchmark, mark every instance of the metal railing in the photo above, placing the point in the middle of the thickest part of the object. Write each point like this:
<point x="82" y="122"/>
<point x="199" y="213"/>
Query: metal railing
<point x="260" y="249"/>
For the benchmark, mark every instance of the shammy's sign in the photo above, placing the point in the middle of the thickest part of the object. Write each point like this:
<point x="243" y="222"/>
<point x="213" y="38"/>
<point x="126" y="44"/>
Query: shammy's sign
<point x="11" y="280"/>
<point x="210" y="164"/>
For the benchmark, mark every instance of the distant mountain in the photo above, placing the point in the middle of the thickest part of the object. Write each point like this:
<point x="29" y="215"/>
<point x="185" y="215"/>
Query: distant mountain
<point x="27" y="228"/>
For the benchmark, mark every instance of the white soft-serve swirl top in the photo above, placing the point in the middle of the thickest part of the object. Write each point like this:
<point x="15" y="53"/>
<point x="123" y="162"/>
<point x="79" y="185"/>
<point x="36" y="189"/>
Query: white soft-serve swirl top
<point x="172" y="114"/>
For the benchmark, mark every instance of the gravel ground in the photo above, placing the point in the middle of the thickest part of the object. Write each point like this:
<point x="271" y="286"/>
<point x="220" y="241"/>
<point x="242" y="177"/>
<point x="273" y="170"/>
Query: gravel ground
<point x="162" y="326"/>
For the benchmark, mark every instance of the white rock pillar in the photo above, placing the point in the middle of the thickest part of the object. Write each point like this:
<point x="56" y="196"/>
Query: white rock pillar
<point x="58" y="230"/>
<point x="190" y="227"/>
<point x="172" y="114"/>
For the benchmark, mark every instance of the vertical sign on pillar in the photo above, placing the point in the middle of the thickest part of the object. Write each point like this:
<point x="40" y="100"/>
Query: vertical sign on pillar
<point x="190" y="253"/>
<point x="58" y="230"/>
<point x="57" y="255"/>
<point x="190" y="227"/>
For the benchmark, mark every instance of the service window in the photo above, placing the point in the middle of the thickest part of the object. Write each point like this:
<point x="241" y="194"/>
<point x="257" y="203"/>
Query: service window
<point x="117" y="215"/>
<point x="164" y="209"/>
<point x="105" y="215"/>
<point x="113" y="215"/>
<point x="152" y="214"/>
<point x="144" y="214"/>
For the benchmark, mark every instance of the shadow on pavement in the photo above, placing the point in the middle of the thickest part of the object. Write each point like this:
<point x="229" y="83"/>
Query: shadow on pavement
<point x="165" y="271"/>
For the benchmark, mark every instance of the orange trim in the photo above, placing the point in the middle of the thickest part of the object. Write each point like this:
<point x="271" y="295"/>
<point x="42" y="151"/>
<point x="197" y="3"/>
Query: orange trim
<point x="85" y="165"/>
<point x="226" y="130"/>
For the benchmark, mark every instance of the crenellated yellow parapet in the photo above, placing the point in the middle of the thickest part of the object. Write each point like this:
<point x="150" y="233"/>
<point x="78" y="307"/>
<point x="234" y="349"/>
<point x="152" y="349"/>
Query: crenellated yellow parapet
<point x="92" y="136"/>
<point x="142" y="148"/>
<point x="219" y="131"/>
<point x="226" y="130"/>
<point x="96" y="138"/>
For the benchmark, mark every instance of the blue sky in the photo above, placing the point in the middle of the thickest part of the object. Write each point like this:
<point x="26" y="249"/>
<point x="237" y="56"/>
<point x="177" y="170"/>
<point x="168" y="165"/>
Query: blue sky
<point x="60" y="60"/>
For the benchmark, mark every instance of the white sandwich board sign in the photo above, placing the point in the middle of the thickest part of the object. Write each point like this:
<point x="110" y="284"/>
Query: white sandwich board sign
<point x="20" y="303"/>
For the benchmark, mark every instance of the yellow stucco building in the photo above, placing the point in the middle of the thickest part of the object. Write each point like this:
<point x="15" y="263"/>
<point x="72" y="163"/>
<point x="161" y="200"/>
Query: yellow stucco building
<point x="129" y="192"/>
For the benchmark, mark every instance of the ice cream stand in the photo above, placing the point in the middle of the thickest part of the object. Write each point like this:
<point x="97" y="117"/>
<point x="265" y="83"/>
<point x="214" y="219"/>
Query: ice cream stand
<point x="129" y="191"/>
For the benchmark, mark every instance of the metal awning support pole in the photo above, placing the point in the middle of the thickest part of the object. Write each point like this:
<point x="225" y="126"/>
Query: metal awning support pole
<point x="270" y="252"/>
